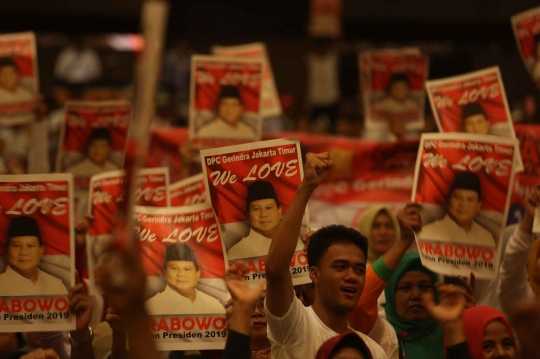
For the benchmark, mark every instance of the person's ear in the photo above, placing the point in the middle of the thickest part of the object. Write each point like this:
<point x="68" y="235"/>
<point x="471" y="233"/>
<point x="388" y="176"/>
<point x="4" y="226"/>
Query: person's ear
<point x="314" y="274"/>
<point x="198" y="274"/>
<point x="280" y="211"/>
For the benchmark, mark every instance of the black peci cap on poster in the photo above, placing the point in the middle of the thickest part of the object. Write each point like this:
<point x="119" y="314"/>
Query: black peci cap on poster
<point x="23" y="226"/>
<point x="467" y="180"/>
<point x="260" y="190"/>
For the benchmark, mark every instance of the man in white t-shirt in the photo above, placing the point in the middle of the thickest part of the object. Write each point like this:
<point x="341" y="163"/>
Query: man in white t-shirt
<point x="458" y="225"/>
<point x="96" y="161"/>
<point x="24" y="250"/>
<point x="337" y="259"/>
<point x="182" y="273"/>
<point x="264" y="214"/>
<point x="228" y="123"/>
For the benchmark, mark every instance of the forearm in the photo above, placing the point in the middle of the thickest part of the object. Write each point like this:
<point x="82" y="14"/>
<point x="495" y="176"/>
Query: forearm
<point x="393" y="256"/>
<point x="55" y="341"/>
<point x="139" y="335"/>
<point x="237" y="346"/>
<point x="286" y="237"/>
<point x="526" y="224"/>
<point x="83" y="349"/>
<point x="240" y="320"/>
<point x="118" y="350"/>
<point x="453" y="333"/>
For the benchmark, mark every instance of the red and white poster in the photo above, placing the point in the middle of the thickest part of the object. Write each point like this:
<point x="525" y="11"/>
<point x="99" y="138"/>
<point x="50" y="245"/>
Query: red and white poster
<point x="107" y="191"/>
<point x="526" y="27"/>
<point x="464" y="183"/>
<point x="93" y="139"/>
<point x="393" y="84"/>
<point x="225" y="100"/>
<point x="19" y="83"/>
<point x="270" y="104"/>
<point x="188" y="191"/>
<point x="37" y="256"/>
<point x="184" y="259"/>
<point x="153" y="187"/>
<point x="251" y="187"/>
<point x="325" y="18"/>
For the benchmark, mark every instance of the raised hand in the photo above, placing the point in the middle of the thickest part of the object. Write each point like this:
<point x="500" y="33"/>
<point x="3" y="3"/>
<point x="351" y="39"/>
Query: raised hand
<point x="235" y="280"/>
<point x="115" y="321"/>
<point x="410" y="221"/>
<point x="451" y="304"/>
<point x="316" y="168"/>
<point x="81" y="228"/>
<point x="532" y="201"/>
<point x="306" y="238"/>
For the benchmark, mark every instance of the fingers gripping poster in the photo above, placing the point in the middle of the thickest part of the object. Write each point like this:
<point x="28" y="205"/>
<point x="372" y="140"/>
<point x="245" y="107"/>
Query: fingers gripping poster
<point x="251" y="187"/>
<point x="37" y="261"/>
<point x="464" y="183"/>
<point x="184" y="258"/>
<point x="225" y="100"/>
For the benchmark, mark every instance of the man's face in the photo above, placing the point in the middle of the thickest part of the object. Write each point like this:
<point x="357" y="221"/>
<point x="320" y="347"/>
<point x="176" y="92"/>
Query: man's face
<point x="230" y="109"/>
<point x="259" y="322"/>
<point x="24" y="253"/>
<point x="182" y="276"/>
<point x="340" y="277"/>
<point x="264" y="215"/>
<point x="463" y="206"/>
<point x="477" y="124"/>
<point x="383" y="233"/>
<point x="9" y="77"/>
<point x="399" y="91"/>
<point x="348" y="353"/>
<point x="409" y="291"/>
<point x="99" y="150"/>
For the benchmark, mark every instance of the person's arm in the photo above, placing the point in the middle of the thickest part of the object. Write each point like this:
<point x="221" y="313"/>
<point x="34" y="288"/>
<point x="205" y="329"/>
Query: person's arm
<point x="364" y="316"/>
<point x="280" y="292"/>
<point x="123" y="281"/>
<point x="512" y="282"/>
<point x="119" y="337"/>
<point x="525" y="320"/>
<point x="243" y="305"/>
<point x="81" y="306"/>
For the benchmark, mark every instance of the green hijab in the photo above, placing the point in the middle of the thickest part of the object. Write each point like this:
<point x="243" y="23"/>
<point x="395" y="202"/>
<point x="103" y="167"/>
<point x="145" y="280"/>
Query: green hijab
<point x="419" y="339"/>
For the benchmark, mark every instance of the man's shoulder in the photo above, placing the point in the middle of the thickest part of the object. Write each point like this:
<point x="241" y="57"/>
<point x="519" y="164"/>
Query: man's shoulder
<point x="209" y="128"/>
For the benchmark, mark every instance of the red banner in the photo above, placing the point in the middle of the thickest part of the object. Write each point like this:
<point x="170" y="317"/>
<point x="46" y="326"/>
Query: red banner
<point x="153" y="187"/>
<point x="225" y="100"/>
<point x="37" y="267"/>
<point x="270" y="104"/>
<point x="464" y="183"/>
<point x="18" y="62"/>
<point x="188" y="191"/>
<point x="526" y="27"/>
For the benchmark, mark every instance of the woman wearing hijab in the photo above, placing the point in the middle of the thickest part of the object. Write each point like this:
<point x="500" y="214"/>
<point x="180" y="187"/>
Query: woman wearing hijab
<point x="381" y="228"/>
<point x="345" y="346"/>
<point x="489" y="334"/>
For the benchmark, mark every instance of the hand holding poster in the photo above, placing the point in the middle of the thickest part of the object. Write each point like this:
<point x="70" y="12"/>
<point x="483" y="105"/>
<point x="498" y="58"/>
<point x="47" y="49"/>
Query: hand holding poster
<point x="393" y="84"/>
<point x="251" y="187"/>
<point x="270" y="104"/>
<point x="184" y="259"/>
<point x="153" y="187"/>
<point x="37" y="249"/>
<point x="19" y="83"/>
<point x="225" y="100"/>
<point x="188" y="191"/>
<point x="464" y="183"/>
<point x="526" y="27"/>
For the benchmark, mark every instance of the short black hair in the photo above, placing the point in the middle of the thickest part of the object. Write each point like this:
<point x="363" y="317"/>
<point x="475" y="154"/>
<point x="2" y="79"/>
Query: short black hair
<point x="100" y="133"/>
<point x="230" y="92"/>
<point x="398" y="77"/>
<point x="8" y="61"/>
<point x="466" y="180"/>
<point x="326" y="236"/>
<point x="180" y="252"/>
<point x="471" y="109"/>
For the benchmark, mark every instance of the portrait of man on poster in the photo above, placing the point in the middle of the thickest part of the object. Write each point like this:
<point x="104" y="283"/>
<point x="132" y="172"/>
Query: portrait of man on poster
<point x="11" y="91"/>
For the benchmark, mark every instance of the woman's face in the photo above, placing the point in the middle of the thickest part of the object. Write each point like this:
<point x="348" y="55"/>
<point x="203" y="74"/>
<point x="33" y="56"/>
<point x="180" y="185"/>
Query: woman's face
<point x="409" y="291"/>
<point x="348" y="353"/>
<point x="383" y="233"/>
<point x="498" y="343"/>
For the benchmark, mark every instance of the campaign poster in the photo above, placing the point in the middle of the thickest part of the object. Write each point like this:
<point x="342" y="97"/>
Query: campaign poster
<point x="526" y="26"/>
<point x="325" y="18"/>
<point x="19" y="83"/>
<point x="107" y="192"/>
<point x="183" y="255"/>
<point x="464" y="183"/>
<point x="270" y="103"/>
<point x="225" y="100"/>
<point x="394" y="91"/>
<point x="37" y="256"/>
<point x="251" y="187"/>
<point x="188" y="191"/>
<point x="153" y="187"/>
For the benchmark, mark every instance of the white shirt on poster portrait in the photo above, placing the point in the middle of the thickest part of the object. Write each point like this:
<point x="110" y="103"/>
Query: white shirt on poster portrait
<point x="87" y="168"/>
<point x="20" y="94"/>
<point x="221" y="129"/>
<point x="13" y="284"/>
<point x="394" y="107"/>
<point x="254" y="245"/>
<point x="171" y="302"/>
<point x="299" y="334"/>
<point x="447" y="230"/>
